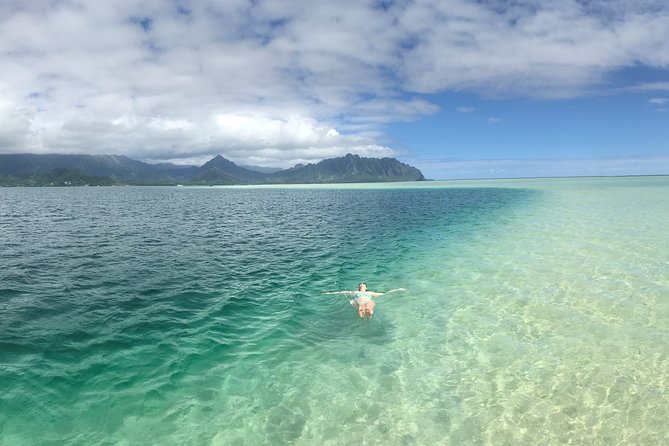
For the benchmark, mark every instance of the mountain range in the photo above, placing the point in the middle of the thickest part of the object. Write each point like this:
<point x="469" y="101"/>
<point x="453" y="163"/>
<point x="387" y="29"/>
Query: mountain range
<point x="73" y="170"/>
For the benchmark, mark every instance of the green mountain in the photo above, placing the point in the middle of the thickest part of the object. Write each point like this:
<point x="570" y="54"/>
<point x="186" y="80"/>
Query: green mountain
<point x="348" y="169"/>
<point x="261" y="169"/>
<point x="219" y="170"/>
<point x="60" y="176"/>
<point x="121" y="168"/>
<point x="40" y="170"/>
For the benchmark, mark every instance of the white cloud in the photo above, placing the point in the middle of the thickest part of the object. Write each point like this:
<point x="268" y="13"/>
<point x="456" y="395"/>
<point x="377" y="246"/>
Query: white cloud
<point x="493" y="120"/>
<point x="285" y="142"/>
<point x="659" y="101"/>
<point x="650" y="86"/>
<point x="162" y="124"/>
<point x="465" y="109"/>
<point x="547" y="49"/>
<point x="244" y="138"/>
<point x="258" y="131"/>
<point x="382" y="110"/>
<point x="288" y="81"/>
<point x="14" y="123"/>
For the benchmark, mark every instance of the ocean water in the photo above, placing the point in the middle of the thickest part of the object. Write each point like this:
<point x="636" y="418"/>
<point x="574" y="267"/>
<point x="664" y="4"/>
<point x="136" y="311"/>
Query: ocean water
<point x="537" y="312"/>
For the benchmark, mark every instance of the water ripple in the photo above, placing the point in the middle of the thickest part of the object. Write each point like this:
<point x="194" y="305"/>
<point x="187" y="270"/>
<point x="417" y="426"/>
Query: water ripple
<point x="163" y="315"/>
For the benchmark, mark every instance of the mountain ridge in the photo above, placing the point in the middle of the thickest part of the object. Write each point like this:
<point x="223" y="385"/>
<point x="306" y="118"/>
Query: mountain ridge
<point x="349" y="169"/>
<point x="120" y="169"/>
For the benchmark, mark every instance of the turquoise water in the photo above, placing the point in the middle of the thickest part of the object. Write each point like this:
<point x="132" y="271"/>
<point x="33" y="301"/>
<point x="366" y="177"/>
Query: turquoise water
<point x="537" y="311"/>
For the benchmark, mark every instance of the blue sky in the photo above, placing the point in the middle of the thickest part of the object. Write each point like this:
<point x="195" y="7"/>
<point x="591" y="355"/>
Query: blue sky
<point x="600" y="135"/>
<point x="460" y="89"/>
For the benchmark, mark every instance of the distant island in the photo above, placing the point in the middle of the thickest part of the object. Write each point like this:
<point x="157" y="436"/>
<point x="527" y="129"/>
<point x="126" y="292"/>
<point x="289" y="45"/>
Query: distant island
<point x="110" y="170"/>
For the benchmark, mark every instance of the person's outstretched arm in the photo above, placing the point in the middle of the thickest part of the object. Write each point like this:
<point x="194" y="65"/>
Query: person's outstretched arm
<point x="390" y="291"/>
<point x="337" y="292"/>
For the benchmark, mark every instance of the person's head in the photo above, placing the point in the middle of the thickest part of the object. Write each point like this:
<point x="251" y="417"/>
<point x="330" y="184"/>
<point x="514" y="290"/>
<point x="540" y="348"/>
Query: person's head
<point x="362" y="286"/>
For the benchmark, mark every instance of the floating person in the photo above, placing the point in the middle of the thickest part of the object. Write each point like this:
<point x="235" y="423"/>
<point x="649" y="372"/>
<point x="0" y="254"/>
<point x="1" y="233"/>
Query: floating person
<point x="364" y="299"/>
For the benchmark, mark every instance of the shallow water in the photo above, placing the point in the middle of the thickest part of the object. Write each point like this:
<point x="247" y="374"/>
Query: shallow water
<point x="536" y="311"/>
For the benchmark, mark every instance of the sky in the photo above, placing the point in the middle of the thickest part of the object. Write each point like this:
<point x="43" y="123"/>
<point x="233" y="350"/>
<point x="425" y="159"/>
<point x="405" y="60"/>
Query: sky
<point x="459" y="89"/>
